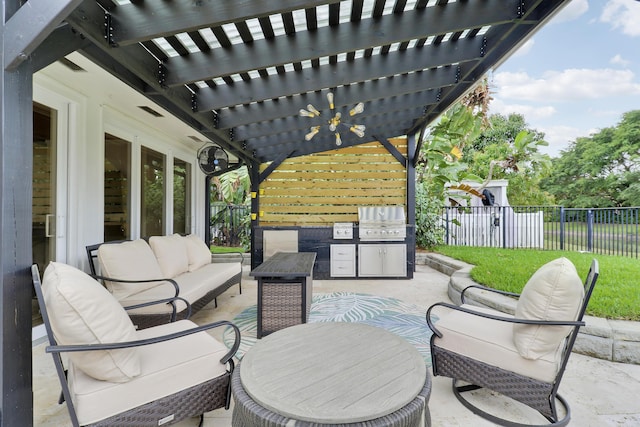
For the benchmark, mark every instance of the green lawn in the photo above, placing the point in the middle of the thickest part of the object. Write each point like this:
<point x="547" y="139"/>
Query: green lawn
<point x="616" y="295"/>
<point x="227" y="249"/>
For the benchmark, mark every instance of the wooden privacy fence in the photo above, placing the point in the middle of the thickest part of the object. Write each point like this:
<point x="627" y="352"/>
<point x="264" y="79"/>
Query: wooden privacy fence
<point x="328" y="187"/>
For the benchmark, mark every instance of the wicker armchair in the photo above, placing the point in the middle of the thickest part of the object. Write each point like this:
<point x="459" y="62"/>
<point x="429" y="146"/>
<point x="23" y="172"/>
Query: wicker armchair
<point x="522" y="356"/>
<point x="116" y="375"/>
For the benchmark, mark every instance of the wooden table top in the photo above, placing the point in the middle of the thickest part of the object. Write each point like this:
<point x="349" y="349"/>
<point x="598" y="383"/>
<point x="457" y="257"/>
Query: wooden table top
<point x="286" y="264"/>
<point x="333" y="372"/>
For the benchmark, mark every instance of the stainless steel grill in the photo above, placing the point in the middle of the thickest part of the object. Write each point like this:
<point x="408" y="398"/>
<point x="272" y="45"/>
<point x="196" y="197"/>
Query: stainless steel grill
<point x="387" y="223"/>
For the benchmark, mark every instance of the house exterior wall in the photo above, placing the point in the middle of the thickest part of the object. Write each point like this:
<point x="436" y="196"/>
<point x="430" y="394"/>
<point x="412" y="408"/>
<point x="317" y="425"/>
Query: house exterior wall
<point x="92" y="104"/>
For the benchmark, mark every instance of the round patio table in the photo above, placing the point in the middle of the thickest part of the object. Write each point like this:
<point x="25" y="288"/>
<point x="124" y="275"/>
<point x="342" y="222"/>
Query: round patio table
<point x="331" y="373"/>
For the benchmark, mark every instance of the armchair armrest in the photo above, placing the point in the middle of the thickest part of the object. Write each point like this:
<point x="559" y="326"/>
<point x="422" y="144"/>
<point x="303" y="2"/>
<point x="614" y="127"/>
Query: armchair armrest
<point x="227" y="358"/>
<point x="484" y="288"/>
<point x="171" y="301"/>
<point x="495" y="317"/>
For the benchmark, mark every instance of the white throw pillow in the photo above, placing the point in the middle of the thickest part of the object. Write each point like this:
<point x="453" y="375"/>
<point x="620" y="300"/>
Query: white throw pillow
<point x="82" y="311"/>
<point x="132" y="260"/>
<point x="171" y="253"/>
<point x="198" y="253"/>
<point x="554" y="292"/>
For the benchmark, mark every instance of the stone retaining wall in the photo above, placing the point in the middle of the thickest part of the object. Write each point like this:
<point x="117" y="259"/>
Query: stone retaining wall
<point x="614" y="340"/>
<point x="245" y="258"/>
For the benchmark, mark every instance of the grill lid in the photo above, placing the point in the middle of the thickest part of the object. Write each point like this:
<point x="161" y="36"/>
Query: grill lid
<point x="381" y="215"/>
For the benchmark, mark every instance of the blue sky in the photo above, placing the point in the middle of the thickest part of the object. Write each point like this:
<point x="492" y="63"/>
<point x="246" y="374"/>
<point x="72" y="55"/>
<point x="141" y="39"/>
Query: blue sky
<point x="576" y="75"/>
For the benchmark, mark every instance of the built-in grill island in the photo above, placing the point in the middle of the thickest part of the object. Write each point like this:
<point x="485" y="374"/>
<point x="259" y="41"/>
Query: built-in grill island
<point x="381" y="244"/>
<point x="382" y="223"/>
<point x="378" y="228"/>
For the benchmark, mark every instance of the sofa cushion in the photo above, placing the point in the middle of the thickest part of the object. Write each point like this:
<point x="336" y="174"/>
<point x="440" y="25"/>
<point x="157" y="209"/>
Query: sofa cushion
<point x="171" y="253"/>
<point x="491" y="341"/>
<point x="197" y="252"/>
<point x="132" y="260"/>
<point x="167" y="368"/>
<point x="193" y="286"/>
<point x="554" y="292"/>
<point x="82" y="311"/>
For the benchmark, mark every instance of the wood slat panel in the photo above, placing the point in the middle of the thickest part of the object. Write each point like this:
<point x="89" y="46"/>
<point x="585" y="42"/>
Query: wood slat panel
<point x="351" y="167"/>
<point x="336" y="192"/>
<point x="329" y="184"/>
<point x="307" y="219"/>
<point x="337" y="175"/>
<point x="328" y="200"/>
<point x="328" y="187"/>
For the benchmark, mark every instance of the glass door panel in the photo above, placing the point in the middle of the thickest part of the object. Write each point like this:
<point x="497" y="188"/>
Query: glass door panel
<point x="44" y="185"/>
<point x="43" y="202"/>
<point x="181" y="196"/>
<point x="152" y="205"/>
<point x="117" y="188"/>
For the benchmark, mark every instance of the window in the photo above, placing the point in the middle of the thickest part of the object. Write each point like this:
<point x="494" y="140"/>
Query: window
<point x="117" y="199"/>
<point x="152" y="206"/>
<point x="181" y="196"/>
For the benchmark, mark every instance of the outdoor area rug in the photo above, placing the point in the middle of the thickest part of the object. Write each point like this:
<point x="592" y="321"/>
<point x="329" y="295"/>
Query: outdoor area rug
<point x="396" y="316"/>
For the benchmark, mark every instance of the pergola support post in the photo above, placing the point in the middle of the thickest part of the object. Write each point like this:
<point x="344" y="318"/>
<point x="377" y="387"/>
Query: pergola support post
<point x="24" y="25"/>
<point x="16" y="138"/>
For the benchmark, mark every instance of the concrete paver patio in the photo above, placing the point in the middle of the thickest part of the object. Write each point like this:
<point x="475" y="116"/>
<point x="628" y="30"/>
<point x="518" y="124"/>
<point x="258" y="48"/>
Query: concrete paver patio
<point x="600" y="393"/>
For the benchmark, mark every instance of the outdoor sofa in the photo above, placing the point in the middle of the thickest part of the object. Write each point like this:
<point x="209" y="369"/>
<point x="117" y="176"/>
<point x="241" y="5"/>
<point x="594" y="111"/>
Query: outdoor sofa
<point x="175" y="267"/>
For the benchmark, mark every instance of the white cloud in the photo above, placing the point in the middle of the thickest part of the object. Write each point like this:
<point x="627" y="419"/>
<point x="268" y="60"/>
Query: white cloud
<point x="572" y="11"/>
<point x="525" y="48"/>
<point x="567" y="85"/>
<point x="623" y="15"/>
<point x="619" y="60"/>
<point x="559" y="138"/>
<point x="528" y="111"/>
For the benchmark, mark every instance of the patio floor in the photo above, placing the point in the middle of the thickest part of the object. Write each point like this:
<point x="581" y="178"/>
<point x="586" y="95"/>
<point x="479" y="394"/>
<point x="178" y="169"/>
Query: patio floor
<point x="600" y="393"/>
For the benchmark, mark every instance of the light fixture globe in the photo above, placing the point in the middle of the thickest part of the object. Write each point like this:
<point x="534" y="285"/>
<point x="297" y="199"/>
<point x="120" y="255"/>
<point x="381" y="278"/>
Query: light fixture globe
<point x="335" y="121"/>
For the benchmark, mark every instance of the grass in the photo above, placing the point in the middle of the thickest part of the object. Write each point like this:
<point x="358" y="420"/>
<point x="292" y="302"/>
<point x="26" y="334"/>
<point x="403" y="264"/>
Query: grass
<point x="227" y="249"/>
<point x="616" y="295"/>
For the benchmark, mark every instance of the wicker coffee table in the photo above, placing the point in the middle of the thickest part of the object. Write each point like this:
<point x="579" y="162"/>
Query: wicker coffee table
<point x="285" y="288"/>
<point x="331" y="373"/>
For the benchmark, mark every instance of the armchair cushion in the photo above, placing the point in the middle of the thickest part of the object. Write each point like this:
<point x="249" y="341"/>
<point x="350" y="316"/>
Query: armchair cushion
<point x="491" y="341"/>
<point x="554" y="292"/>
<point x="166" y="368"/>
<point x="82" y="311"/>
<point x="171" y="253"/>
<point x="132" y="260"/>
<point x="198" y="253"/>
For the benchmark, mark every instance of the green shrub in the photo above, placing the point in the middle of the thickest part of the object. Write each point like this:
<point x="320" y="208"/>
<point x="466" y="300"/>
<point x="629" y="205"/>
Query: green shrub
<point x="429" y="230"/>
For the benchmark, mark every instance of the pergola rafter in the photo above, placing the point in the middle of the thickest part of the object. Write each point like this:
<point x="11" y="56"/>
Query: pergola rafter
<point x="239" y="71"/>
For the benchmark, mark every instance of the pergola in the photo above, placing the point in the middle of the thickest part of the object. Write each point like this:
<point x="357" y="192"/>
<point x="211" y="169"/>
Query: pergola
<point x="239" y="71"/>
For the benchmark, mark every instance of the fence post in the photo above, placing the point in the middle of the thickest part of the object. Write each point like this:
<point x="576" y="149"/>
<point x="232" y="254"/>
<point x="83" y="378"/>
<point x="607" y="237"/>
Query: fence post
<point x="562" y="220"/>
<point x="232" y="228"/>
<point x="446" y="229"/>
<point x="502" y="221"/>
<point x="590" y="230"/>
<point x="635" y="223"/>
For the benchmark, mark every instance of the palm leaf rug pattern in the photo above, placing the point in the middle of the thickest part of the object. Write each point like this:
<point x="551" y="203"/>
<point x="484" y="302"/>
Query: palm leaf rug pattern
<point x="396" y="316"/>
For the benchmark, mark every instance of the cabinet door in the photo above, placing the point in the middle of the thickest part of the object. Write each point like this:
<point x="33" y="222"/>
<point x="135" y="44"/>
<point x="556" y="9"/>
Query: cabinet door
<point x="382" y="260"/>
<point x="394" y="260"/>
<point x="369" y="260"/>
